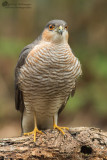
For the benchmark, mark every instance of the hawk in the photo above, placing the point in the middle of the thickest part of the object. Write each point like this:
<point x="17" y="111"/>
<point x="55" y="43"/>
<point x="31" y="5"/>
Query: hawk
<point x="45" y="77"/>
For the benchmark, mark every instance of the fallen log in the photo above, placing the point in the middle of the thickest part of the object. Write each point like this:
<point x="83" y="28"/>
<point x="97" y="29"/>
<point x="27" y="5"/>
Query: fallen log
<point x="77" y="144"/>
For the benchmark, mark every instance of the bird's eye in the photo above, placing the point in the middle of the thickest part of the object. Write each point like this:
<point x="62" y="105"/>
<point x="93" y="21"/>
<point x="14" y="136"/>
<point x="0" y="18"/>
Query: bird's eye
<point x="51" y="27"/>
<point x="66" y="27"/>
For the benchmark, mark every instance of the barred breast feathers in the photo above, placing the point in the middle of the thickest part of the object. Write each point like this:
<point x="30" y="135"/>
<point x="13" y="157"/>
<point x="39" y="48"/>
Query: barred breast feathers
<point x="49" y="74"/>
<point x="60" y="56"/>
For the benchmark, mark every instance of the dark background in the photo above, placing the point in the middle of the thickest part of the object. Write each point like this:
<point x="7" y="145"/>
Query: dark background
<point x="21" y="23"/>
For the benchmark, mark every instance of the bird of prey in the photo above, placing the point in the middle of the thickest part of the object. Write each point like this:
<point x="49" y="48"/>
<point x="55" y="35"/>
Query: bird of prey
<point x="45" y="77"/>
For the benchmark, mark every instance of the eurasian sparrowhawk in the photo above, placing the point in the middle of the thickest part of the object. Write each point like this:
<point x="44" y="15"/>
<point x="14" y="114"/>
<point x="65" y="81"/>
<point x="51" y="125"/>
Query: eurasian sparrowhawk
<point x="45" y="77"/>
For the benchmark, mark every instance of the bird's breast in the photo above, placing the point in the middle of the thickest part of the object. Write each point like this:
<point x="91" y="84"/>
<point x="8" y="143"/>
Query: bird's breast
<point x="50" y="67"/>
<point x="49" y="74"/>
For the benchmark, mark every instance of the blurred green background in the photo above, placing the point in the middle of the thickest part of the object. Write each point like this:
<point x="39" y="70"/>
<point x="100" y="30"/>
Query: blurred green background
<point x="87" y="21"/>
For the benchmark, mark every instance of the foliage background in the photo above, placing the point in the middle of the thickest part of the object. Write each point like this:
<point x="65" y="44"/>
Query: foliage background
<point x="87" y="22"/>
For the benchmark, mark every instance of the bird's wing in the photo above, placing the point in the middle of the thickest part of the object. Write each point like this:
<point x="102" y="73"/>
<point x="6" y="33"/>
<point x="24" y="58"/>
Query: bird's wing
<point x="64" y="104"/>
<point x="19" y="102"/>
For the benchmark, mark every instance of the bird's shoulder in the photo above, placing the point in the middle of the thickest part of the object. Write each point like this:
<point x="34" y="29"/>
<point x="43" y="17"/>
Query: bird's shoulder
<point x="26" y="50"/>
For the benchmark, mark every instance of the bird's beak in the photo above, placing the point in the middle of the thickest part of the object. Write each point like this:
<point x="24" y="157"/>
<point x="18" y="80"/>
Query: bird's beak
<point x="60" y="30"/>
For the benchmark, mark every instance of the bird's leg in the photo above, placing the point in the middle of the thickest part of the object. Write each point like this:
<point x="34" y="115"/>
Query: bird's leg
<point x="35" y="129"/>
<point x="58" y="127"/>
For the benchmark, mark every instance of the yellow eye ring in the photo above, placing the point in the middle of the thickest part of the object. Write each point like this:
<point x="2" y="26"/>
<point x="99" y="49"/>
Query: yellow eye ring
<point x="51" y="27"/>
<point x="66" y="27"/>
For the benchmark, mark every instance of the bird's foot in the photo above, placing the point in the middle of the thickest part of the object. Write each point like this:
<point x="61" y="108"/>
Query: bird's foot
<point x="34" y="132"/>
<point x="60" y="128"/>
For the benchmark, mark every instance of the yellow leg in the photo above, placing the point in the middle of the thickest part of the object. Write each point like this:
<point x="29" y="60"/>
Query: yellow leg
<point x="58" y="127"/>
<point x="35" y="130"/>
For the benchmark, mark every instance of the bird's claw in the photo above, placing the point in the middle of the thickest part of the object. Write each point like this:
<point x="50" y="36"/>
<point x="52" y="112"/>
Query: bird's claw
<point x="60" y="128"/>
<point x="34" y="132"/>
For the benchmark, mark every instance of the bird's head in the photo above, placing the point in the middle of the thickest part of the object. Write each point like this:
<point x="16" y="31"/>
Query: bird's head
<point x="56" y="31"/>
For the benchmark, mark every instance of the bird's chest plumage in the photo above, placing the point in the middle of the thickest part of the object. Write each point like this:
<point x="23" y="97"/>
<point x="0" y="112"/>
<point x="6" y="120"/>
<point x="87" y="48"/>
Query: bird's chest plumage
<point x="48" y="76"/>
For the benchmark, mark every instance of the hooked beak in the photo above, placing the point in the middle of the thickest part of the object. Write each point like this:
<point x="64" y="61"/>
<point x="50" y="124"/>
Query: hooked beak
<point x="60" y="30"/>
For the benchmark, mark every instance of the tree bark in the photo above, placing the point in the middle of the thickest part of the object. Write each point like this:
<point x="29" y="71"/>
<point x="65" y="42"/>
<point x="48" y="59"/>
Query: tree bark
<point x="77" y="144"/>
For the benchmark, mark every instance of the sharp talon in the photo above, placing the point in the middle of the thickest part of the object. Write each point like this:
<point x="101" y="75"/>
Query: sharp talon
<point x="65" y="136"/>
<point x="44" y="132"/>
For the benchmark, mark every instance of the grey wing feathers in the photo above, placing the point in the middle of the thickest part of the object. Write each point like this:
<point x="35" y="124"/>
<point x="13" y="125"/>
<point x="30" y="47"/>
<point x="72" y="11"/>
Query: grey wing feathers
<point x="19" y="102"/>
